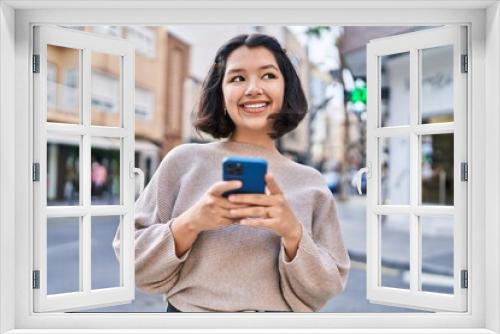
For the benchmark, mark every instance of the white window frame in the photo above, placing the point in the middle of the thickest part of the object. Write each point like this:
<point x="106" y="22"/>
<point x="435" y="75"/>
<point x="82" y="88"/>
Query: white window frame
<point x="84" y="44"/>
<point x="414" y="43"/>
<point x="483" y="17"/>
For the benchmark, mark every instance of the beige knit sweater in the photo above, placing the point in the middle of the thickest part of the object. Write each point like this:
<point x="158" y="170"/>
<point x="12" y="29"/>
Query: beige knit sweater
<point x="237" y="268"/>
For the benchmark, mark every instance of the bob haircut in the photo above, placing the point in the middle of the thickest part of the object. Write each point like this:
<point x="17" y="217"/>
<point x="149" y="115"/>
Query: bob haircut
<point x="211" y="117"/>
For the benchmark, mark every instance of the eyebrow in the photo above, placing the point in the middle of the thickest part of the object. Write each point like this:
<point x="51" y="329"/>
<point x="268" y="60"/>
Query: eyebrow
<point x="260" y="68"/>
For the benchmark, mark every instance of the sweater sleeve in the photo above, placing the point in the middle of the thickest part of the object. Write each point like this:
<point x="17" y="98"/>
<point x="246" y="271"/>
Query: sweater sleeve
<point x="321" y="265"/>
<point x="157" y="266"/>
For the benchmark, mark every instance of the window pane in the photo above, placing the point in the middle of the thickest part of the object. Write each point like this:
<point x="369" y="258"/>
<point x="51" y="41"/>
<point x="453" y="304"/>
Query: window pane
<point x="394" y="157"/>
<point x="106" y="89"/>
<point x="144" y="104"/>
<point x="437" y="253"/>
<point x="437" y="169"/>
<point x="63" y="169"/>
<point x="395" y="89"/>
<point x="436" y="98"/>
<point x="63" y="255"/>
<point x="63" y="84"/>
<point x="105" y="266"/>
<point x="395" y="251"/>
<point x="105" y="170"/>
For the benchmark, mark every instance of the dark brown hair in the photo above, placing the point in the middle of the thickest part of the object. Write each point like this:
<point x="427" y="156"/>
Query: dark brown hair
<point x="210" y="116"/>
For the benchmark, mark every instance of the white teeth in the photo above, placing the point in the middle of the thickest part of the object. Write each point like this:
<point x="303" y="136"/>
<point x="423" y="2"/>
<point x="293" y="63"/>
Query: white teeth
<point x="259" y="105"/>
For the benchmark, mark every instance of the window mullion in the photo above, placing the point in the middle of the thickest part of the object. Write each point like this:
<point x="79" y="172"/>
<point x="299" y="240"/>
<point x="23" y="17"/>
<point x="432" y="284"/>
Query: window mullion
<point x="414" y="171"/>
<point x="85" y="236"/>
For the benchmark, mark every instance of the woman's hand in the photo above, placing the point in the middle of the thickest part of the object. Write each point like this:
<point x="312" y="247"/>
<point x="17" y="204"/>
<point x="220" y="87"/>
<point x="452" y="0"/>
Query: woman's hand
<point x="212" y="210"/>
<point x="269" y="211"/>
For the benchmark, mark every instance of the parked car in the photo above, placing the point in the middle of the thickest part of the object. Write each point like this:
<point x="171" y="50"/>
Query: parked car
<point x="333" y="181"/>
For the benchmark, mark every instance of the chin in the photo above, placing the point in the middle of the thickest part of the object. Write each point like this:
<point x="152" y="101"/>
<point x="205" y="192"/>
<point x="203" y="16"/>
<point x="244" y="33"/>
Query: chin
<point x="255" y="127"/>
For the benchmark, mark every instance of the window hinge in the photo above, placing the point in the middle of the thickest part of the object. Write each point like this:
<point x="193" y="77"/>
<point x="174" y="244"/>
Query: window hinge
<point x="465" y="66"/>
<point x="36" y="171"/>
<point x="36" y="279"/>
<point x="464" y="171"/>
<point x="465" y="279"/>
<point x="36" y="63"/>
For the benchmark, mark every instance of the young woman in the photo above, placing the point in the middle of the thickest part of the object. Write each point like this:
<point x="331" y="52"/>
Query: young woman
<point x="279" y="251"/>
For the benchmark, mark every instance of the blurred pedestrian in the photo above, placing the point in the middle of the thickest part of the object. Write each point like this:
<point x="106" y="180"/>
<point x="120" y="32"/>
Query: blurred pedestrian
<point x="69" y="184"/>
<point x="99" y="176"/>
<point x="278" y="251"/>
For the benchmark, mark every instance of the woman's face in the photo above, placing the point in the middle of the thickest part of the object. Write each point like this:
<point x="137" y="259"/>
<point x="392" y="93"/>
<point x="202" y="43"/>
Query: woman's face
<point x="253" y="88"/>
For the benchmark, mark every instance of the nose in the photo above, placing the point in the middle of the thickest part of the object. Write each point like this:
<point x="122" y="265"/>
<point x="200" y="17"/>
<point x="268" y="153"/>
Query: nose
<point x="253" y="87"/>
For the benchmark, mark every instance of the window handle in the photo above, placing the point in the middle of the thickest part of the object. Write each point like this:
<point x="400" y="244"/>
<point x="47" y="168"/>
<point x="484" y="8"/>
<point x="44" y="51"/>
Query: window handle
<point x="137" y="171"/>
<point x="356" y="179"/>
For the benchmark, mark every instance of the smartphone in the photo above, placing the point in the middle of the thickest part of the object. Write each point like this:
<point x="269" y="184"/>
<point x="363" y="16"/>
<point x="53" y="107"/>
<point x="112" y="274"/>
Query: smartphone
<point x="250" y="171"/>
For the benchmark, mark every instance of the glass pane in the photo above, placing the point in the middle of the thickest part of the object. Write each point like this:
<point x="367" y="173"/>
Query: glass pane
<point x="437" y="254"/>
<point x="436" y="98"/>
<point x="394" y="157"/>
<point x="395" y="251"/>
<point x="395" y="89"/>
<point x="105" y="265"/>
<point x="437" y="169"/>
<point x="105" y="170"/>
<point x="106" y="92"/>
<point x="63" y="84"/>
<point x="63" y="169"/>
<point x="63" y="255"/>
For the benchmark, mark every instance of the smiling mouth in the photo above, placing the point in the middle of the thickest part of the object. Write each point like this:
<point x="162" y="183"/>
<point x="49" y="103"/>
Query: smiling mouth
<point x="254" y="108"/>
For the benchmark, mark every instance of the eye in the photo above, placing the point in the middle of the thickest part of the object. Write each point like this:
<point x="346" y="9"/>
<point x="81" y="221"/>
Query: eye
<point x="237" y="78"/>
<point x="270" y="75"/>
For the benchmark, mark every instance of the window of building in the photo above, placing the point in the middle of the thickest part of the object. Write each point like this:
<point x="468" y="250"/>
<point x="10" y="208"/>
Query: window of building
<point x="144" y="104"/>
<point x="69" y="90"/>
<point x="51" y="85"/>
<point x="105" y="92"/>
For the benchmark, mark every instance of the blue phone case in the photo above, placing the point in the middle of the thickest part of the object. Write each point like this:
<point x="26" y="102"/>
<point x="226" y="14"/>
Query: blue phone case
<point x="251" y="172"/>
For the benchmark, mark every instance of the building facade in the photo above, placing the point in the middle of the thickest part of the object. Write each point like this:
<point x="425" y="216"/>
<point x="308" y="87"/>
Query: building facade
<point x="161" y="63"/>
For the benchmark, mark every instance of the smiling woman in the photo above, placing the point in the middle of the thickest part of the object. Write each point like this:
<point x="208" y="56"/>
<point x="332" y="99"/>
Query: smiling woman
<point x="278" y="251"/>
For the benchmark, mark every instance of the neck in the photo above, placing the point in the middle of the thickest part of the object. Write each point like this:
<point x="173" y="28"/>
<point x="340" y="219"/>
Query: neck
<point x="261" y="140"/>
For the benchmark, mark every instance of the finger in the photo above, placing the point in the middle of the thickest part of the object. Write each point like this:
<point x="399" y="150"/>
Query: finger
<point x="225" y="204"/>
<point x="252" y="199"/>
<point x="256" y="212"/>
<point x="273" y="187"/>
<point x="226" y="213"/>
<point x="259" y="222"/>
<point x="221" y="187"/>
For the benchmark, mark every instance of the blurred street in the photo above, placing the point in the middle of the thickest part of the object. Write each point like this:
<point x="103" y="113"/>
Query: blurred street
<point x="63" y="263"/>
